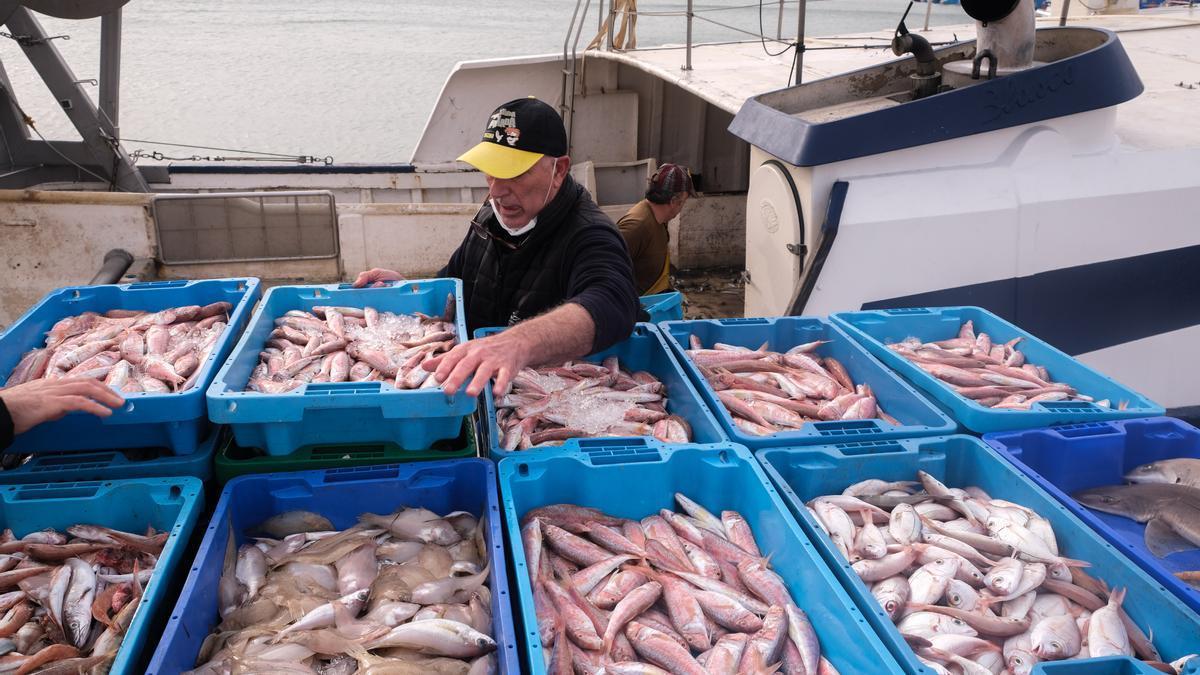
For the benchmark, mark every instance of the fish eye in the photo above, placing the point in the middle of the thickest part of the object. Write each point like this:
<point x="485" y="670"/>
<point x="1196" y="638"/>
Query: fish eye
<point x="1056" y="646"/>
<point x="959" y="622"/>
<point x="1108" y="499"/>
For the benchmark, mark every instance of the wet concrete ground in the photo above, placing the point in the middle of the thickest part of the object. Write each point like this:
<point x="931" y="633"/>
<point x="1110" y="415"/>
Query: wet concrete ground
<point x="711" y="293"/>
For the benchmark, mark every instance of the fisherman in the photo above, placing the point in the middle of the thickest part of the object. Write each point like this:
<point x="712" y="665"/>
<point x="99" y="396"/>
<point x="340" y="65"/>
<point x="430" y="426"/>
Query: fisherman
<point x="27" y="405"/>
<point x="540" y="257"/>
<point x="645" y="227"/>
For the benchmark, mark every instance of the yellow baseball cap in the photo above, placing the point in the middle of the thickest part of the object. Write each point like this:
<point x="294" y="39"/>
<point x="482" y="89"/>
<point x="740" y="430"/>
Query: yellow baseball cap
<point x="518" y="134"/>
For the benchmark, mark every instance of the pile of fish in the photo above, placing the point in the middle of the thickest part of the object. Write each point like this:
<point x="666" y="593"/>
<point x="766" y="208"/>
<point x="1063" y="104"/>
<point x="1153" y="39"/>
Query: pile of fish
<point x="396" y="594"/>
<point x="349" y="344"/>
<point x="130" y="350"/>
<point x="548" y="405"/>
<point x="674" y="593"/>
<point x="768" y="392"/>
<point x="68" y="599"/>
<point x="996" y="376"/>
<point x="975" y="584"/>
<point x="1165" y="495"/>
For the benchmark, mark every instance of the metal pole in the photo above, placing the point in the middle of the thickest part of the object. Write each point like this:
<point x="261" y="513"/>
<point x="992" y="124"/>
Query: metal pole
<point x="779" y="23"/>
<point x="600" y="16"/>
<point x="1062" y="21"/>
<point x="612" y="22"/>
<point x="688" y="65"/>
<point x="110" y="68"/>
<point x="928" y="11"/>
<point x="800" y="42"/>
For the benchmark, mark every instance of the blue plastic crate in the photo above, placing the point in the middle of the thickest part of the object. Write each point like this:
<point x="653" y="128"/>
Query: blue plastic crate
<point x="637" y="482"/>
<point x="918" y="417"/>
<point x="176" y="421"/>
<point x="341" y="412"/>
<point x="960" y="461"/>
<point x="58" y="467"/>
<point x="340" y="495"/>
<point x="644" y="350"/>
<point x="1066" y="459"/>
<point x="663" y="306"/>
<point x="167" y="504"/>
<point x="874" y="329"/>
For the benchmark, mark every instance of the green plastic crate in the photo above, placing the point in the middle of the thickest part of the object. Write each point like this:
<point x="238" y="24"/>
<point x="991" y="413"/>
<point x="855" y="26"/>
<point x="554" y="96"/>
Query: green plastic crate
<point x="233" y="460"/>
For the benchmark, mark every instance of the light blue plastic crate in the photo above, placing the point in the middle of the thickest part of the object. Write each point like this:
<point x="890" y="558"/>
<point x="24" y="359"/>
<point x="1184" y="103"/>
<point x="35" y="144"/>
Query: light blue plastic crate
<point x="176" y="421"/>
<point x="663" y="306"/>
<point x="341" y="412"/>
<point x="917" y="416"/>
<point x="874" y="329"/>
<point x="1064" y="460"/>
<point x="59" y="467"/>
<point x="635" y="479"/>
<point x="167" y="504"/>
<point x="960" y="461"/>
<point x="340" y="495"/>
<point x="644" y="350"/>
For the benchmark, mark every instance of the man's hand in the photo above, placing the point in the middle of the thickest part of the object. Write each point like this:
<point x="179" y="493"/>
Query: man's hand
<point x="499" y="356"/>
<point x="39" y="401"/>
<point x="376" y="277"/>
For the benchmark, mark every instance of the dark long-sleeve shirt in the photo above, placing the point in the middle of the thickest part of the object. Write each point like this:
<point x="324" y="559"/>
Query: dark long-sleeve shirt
<point x="6" y="426"/>
<point x="574" y="254"/>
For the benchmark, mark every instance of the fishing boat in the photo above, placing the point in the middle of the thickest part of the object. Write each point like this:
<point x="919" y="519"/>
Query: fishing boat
<point x="1046" y="171"/>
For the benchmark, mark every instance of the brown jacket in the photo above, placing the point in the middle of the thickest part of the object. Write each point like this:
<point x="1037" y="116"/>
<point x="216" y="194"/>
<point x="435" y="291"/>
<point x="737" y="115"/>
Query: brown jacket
<point x="648" y="243"/>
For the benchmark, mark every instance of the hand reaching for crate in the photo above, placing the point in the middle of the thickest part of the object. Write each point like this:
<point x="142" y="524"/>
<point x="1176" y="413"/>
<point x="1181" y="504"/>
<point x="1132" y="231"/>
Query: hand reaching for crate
<point x="33" y="403"/>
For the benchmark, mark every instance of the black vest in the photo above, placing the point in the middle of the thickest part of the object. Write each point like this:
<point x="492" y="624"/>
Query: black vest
<point x="502" y="286"/>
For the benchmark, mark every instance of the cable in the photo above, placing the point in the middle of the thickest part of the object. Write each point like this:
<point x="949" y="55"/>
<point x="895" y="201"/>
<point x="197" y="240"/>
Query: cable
<point x="29" y="121"/>
<point x="762" y="36"/>
<point x="204" y="147"/>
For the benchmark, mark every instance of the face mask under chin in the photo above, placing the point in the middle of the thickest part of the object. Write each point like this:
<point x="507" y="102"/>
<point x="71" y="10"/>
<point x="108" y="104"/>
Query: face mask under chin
<point x="532" y="221"/>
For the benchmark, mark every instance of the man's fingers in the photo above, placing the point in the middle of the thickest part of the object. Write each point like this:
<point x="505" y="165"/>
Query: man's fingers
<point x="73" y="403"/>
<point x="448" y="361"/>
<point x="504" y="376"/>
<point x="461" y="373"/>
<point x="482" y="374"/>
<point x="431" y="364"/>
<point x="93" y="389"/>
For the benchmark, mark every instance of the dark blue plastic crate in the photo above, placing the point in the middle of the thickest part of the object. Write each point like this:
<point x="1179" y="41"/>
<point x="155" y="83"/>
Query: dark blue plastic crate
<point x="1064" y="460"/>
<point x="340" y="495"/>
<point x="634" y="482"/>
<point x="960" y="461"/>
<point x="877" y="328"/>
<point x="917" y="416"/>
<point x="168" y="504"/>
<point x="341" y="412"/>
<point x="176" y="421"/>
<point x="644" y="350"/>
<point x="58" y="467"/>
<point x="663" y="306"/>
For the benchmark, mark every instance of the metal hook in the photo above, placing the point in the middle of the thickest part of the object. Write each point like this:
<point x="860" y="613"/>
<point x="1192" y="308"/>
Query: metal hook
<point x="91" y="80"/>
<point x="978" y="62"/>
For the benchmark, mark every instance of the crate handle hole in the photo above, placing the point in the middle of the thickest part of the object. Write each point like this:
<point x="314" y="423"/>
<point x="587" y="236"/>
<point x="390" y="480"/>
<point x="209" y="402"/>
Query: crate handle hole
<point x="129" y="406"/>
<point x="724" y="456"/>
<point x="523" y="469"/>
<point x="232" y="406"/>
<point x="175" y="492"/>
<point x="76" y="295"/>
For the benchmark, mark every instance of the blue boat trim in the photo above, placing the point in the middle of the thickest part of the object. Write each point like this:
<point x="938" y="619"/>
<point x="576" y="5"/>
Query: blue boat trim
<point x="1087" y="307"/>
<point x="1098" y="78"/>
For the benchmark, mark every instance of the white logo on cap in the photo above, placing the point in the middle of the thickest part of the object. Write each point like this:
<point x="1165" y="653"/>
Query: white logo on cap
<point x="504" y="121"/>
